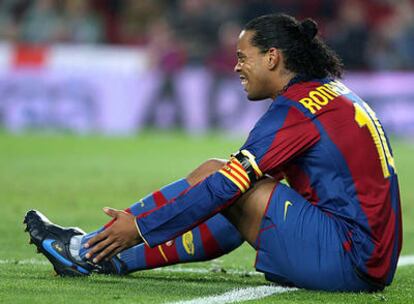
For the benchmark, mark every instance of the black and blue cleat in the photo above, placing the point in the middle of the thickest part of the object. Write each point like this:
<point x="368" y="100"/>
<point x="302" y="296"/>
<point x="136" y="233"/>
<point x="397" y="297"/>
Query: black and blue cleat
<point x="53" y="242"/>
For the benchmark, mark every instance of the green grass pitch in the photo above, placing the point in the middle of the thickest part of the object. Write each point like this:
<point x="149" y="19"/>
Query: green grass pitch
<point x="71" y="178"/>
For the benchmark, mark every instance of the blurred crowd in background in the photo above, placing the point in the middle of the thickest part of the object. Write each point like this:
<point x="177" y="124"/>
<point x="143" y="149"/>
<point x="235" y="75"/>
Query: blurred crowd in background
<point x="368" y="34"/>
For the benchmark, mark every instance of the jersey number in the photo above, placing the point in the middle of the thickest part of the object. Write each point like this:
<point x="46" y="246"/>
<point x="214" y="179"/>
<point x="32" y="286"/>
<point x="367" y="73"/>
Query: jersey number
<point x="365" y="116"/>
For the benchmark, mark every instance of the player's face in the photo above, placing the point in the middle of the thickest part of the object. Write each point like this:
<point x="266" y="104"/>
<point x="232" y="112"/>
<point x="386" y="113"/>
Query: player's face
<point x="252" y="68"/>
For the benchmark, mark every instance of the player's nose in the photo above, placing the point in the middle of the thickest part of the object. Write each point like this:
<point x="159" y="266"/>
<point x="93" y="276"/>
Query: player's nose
<point x="237" y="68"/>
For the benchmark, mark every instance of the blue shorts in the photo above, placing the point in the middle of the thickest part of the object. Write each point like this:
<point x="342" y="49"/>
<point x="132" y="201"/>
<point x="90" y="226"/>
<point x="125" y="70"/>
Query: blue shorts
<point x="299" y="245"/>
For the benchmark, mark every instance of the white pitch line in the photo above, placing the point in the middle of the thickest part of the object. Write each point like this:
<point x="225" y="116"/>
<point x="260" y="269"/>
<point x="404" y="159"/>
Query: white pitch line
<point x="406" y="260"/>
<point x="236" y="295"/>
<point x="255" y="293"/>
<point x="239" y="295"/>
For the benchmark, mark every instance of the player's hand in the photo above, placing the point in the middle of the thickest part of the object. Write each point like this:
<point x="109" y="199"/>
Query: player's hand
<point x="121" y="235"/>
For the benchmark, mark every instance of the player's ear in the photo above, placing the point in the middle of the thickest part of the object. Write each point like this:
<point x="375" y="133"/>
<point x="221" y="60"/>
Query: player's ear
<point x="273" y="58"/>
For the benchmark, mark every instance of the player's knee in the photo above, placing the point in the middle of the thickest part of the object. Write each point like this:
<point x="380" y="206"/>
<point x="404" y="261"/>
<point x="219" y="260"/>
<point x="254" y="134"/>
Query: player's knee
<point x="265" y="186"/>
<point x="205" y="169"/>
<point x="247" y="212"/>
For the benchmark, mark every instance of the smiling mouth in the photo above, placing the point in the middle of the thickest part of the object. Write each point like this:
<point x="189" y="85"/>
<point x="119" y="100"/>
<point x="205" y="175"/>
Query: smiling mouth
<point x="243" y="80"/>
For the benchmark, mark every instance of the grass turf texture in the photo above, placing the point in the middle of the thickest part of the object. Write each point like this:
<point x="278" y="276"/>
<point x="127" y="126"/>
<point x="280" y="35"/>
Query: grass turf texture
<point x="71" y="178"/>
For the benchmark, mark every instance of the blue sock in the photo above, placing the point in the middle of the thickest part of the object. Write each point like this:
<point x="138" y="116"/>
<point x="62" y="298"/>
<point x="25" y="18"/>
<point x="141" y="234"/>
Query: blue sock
<point x="209" y="240"/>
<point x="159" y="197"/>
<point x="149" y="202"/>
<point x="213" y="238"/>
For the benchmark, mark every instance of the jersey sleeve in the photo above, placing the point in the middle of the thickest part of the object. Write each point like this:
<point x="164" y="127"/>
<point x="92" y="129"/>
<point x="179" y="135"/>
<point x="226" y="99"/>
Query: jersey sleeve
<point x="282" y="134"/>
<point x="188" y="210"/>
<point x="278" y="136"/>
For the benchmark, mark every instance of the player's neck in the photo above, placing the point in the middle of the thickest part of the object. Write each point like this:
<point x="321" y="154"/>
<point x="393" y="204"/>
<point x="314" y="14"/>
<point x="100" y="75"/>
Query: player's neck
<point x="282" y="81"/>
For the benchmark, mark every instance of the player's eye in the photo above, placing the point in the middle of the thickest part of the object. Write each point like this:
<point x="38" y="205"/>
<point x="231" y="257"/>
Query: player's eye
<point x="241" y="58"/>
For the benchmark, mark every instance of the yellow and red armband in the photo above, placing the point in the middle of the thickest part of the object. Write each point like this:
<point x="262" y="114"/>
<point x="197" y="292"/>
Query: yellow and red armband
<point x="242" y="170"/>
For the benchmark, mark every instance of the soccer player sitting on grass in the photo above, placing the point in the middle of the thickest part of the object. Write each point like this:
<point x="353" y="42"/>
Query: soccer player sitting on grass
<point x="337" y="226"/>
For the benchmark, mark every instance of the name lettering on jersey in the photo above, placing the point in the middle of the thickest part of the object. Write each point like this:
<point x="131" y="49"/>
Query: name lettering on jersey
<point x="322" y="95"/>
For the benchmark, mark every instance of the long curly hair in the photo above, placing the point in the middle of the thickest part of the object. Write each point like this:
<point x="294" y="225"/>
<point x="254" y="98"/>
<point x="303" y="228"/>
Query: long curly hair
<point x="304" y="53"/>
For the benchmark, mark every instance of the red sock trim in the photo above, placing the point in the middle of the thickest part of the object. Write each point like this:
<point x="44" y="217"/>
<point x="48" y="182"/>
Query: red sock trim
<point x="211" y="246"/>
<point x="161" y="255"/>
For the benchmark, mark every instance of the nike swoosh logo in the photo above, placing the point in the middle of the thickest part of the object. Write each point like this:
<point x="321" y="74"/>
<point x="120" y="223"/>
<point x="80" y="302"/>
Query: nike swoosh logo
<point x="287" y="204"/>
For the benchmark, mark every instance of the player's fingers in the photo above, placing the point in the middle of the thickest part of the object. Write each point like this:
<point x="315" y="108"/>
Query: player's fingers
<point x="98" y="247"/>
<point x="106" y="252"/>
<point x="97" y="238"/>
<point x="115" y="252"/>
<point x="114" y="213"/>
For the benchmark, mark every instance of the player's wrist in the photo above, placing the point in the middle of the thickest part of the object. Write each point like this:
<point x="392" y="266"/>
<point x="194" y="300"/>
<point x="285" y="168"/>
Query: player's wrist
<point x="139" y="236"/>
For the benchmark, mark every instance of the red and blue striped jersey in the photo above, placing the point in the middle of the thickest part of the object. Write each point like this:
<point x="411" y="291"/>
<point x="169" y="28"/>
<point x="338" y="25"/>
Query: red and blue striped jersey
<point x="332" y="149"/>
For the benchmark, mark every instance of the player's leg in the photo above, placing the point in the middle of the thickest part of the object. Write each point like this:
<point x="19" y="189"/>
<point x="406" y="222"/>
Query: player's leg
<point x="297" y="243"/>
<point x="213" y="238"/>
<point x="247" y="212"/>
<point x="209" y="240"/>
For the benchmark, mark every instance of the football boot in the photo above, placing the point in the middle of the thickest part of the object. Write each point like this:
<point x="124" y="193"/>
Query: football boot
<point x="53" y="242"/>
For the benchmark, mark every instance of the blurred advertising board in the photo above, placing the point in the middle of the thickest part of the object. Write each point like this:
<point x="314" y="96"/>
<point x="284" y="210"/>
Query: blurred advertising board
<point x="115" y="91"/>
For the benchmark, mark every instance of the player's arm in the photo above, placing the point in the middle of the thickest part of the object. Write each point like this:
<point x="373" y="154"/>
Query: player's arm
<point x="159" y="225"/>
<point x="280" y="135"/>
<point x="201" y="201"/>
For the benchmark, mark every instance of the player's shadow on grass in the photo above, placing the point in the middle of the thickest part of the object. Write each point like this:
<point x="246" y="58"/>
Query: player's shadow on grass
<point x="152" y="277"/>
<point x="214" y="278"/>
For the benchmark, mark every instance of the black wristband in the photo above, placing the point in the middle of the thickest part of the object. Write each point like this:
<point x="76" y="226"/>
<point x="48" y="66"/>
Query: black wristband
<point x="245" y="162"/>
